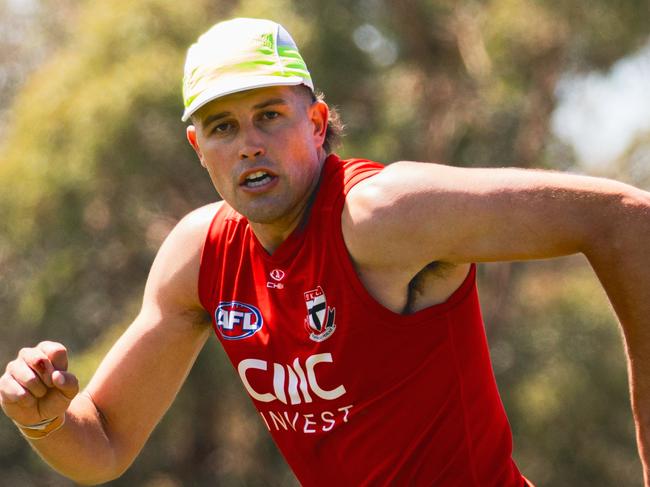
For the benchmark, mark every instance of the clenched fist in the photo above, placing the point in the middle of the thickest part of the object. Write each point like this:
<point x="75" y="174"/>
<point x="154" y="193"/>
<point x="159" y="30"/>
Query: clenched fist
<point x="36" y="386"/>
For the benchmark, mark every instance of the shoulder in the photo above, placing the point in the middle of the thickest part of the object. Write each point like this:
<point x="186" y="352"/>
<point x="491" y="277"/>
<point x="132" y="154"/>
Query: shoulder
<point x="396" y="183"/>
<point x="187" y="237"/>
<point x="198" y="220"/>
<point x="409" y="214"/>
<point x="174" y="273"/>
<point x="383" y="197"/>
<point x="377" y="209"/>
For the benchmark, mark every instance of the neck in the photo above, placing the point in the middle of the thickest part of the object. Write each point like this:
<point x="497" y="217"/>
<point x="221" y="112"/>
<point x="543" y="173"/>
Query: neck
<point x="271" y="236"/>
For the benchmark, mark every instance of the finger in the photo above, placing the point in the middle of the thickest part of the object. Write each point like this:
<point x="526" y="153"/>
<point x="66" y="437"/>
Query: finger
<point x="26" y="377"/>
<point x="13" y="395"/>
<point x="56" y="353"/>
<point x="39" y="363"/>
<point x="66" y="383"/>
<point x="57" y="400"/>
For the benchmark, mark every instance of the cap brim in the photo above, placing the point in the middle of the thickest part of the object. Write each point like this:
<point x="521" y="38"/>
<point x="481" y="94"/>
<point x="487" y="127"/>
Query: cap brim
<point x="238" y="85"/>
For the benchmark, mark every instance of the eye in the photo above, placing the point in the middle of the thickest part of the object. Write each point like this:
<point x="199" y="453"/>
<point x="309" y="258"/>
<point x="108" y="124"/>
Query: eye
<point x="222" y="128"/>
<point x="270" y="115"/>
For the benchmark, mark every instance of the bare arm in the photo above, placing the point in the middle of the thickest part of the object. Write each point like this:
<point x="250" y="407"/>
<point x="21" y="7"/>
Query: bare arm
<point x="461" y="215"/>
<point x="107" y="425"/>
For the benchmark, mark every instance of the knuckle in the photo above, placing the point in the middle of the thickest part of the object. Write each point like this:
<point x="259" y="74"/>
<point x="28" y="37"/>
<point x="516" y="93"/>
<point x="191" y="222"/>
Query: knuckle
<point x="47" y="345"/>
<point x="24" y="352"/>
<point x="11" y="367"/>
<point x="32" y="382"/>
<point x="56" y="352"/>
<point x="50" y="347"/>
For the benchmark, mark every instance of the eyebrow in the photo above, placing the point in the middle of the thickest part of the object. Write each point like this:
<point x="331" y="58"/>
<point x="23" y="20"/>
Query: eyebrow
<point x="211" y="118"/>
<point x="266" y="103"/>
<point x="272" y="101"/>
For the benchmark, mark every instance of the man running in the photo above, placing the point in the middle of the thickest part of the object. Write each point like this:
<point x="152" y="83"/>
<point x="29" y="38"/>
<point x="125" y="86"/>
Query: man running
<point x="343" y="292"/>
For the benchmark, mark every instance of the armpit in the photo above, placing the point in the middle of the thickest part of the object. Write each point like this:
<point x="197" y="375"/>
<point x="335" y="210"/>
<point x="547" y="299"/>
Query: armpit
<point x="434" y="284"/>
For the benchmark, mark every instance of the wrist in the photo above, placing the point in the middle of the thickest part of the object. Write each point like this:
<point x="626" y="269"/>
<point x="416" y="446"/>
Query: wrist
<point x="41" y="429"/>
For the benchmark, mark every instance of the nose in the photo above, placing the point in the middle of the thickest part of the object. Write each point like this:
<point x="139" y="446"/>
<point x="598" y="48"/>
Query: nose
<point x="251" y="148"/>
<point x="250" y="152"/>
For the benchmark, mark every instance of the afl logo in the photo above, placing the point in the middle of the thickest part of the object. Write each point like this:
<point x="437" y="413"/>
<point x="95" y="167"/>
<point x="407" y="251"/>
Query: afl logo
<point x="236" y="320"/>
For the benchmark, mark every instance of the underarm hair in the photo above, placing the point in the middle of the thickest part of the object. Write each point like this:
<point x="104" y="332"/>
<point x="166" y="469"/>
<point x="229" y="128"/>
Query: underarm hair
<point x="198" y="316"/>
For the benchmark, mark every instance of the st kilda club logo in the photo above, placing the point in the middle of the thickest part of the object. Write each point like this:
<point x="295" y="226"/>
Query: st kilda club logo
<point x="320" y="318"/>
<point x="236" y="320"/>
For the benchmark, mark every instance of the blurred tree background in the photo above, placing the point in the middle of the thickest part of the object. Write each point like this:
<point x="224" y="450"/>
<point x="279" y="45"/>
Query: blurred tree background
<point x="94" y="171"/>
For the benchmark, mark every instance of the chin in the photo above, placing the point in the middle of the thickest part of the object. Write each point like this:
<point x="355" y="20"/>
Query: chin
<point x="263" y="214"/>
<point x="269" y="209"/>
<point x="262" y="217"/>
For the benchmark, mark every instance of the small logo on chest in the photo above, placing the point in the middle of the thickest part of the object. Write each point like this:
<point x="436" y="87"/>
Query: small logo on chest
<point x="277" y="275"/>
<point x="320" y="317"/>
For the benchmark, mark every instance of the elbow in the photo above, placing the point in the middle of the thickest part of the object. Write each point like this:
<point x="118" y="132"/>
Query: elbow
<point x="92" y="481"/>
<point x="97" y="478"/>
<point x="111" y="468"/>
<point x="636" y="200"/>
<point x="621" y="225"/>
<point x="632" y="221"/>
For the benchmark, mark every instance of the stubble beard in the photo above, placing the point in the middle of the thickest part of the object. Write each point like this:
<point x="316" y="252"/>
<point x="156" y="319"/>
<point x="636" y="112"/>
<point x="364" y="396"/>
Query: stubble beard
<point x="282" y="209"/>
<point x="267" y="210"/>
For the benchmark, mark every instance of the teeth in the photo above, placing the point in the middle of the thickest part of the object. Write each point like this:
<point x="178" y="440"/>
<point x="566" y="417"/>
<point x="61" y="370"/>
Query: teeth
<point x="255" y="175"/>
<point x="258" y="178"/>
<point x="254" y="184"/>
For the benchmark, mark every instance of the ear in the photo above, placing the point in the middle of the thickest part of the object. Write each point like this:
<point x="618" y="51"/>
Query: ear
<point x="319" y="115"/>
<point x="192" y="139"/>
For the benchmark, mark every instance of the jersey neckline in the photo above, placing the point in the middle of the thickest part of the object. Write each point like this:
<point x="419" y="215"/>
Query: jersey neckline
<point x="292" y="244"/>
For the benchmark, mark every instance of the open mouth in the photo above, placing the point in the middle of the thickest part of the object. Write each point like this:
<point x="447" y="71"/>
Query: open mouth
<point x="257" y="179"/>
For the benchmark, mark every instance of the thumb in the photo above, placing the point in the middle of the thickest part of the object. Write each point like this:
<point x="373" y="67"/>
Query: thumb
<point x="66" y="383"/>
<point x="58" y="398"/>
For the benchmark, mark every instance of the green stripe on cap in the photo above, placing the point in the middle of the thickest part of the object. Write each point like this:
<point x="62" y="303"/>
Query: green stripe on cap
<point x="241" y="52"/>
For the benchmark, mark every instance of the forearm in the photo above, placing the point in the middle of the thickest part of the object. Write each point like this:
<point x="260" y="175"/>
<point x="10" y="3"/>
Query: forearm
<point x="621" y="259"/>
<point x="81" y="449"/>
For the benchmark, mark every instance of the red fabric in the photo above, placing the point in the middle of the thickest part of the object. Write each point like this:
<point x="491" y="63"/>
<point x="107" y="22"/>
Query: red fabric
<point x="385" y="398"/>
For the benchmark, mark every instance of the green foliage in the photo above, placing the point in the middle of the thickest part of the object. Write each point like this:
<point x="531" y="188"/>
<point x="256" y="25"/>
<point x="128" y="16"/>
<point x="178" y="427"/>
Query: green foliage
<point x="558" y="355"/>
<point x="94" y="172"/>
<point x="89" y="129"/>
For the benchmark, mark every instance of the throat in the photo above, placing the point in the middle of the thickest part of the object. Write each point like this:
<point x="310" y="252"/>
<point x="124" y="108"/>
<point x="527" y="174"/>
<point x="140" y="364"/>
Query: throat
<point x="271" y="243"/>
<point x="272" y="235"/>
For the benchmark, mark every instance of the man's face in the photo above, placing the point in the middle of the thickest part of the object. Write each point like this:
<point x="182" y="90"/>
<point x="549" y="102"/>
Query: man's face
<point x="263" y="150"/>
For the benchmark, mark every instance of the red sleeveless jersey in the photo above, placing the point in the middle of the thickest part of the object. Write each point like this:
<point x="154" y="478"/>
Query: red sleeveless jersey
<point x="354" y="394"/>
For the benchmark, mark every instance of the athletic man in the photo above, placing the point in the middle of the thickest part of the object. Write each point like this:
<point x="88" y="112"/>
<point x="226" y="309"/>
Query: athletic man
<point x="343" y="292"/>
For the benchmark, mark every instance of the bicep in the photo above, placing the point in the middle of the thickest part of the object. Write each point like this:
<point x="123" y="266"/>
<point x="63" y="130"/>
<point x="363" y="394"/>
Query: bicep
<point x="428" y="212"/>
